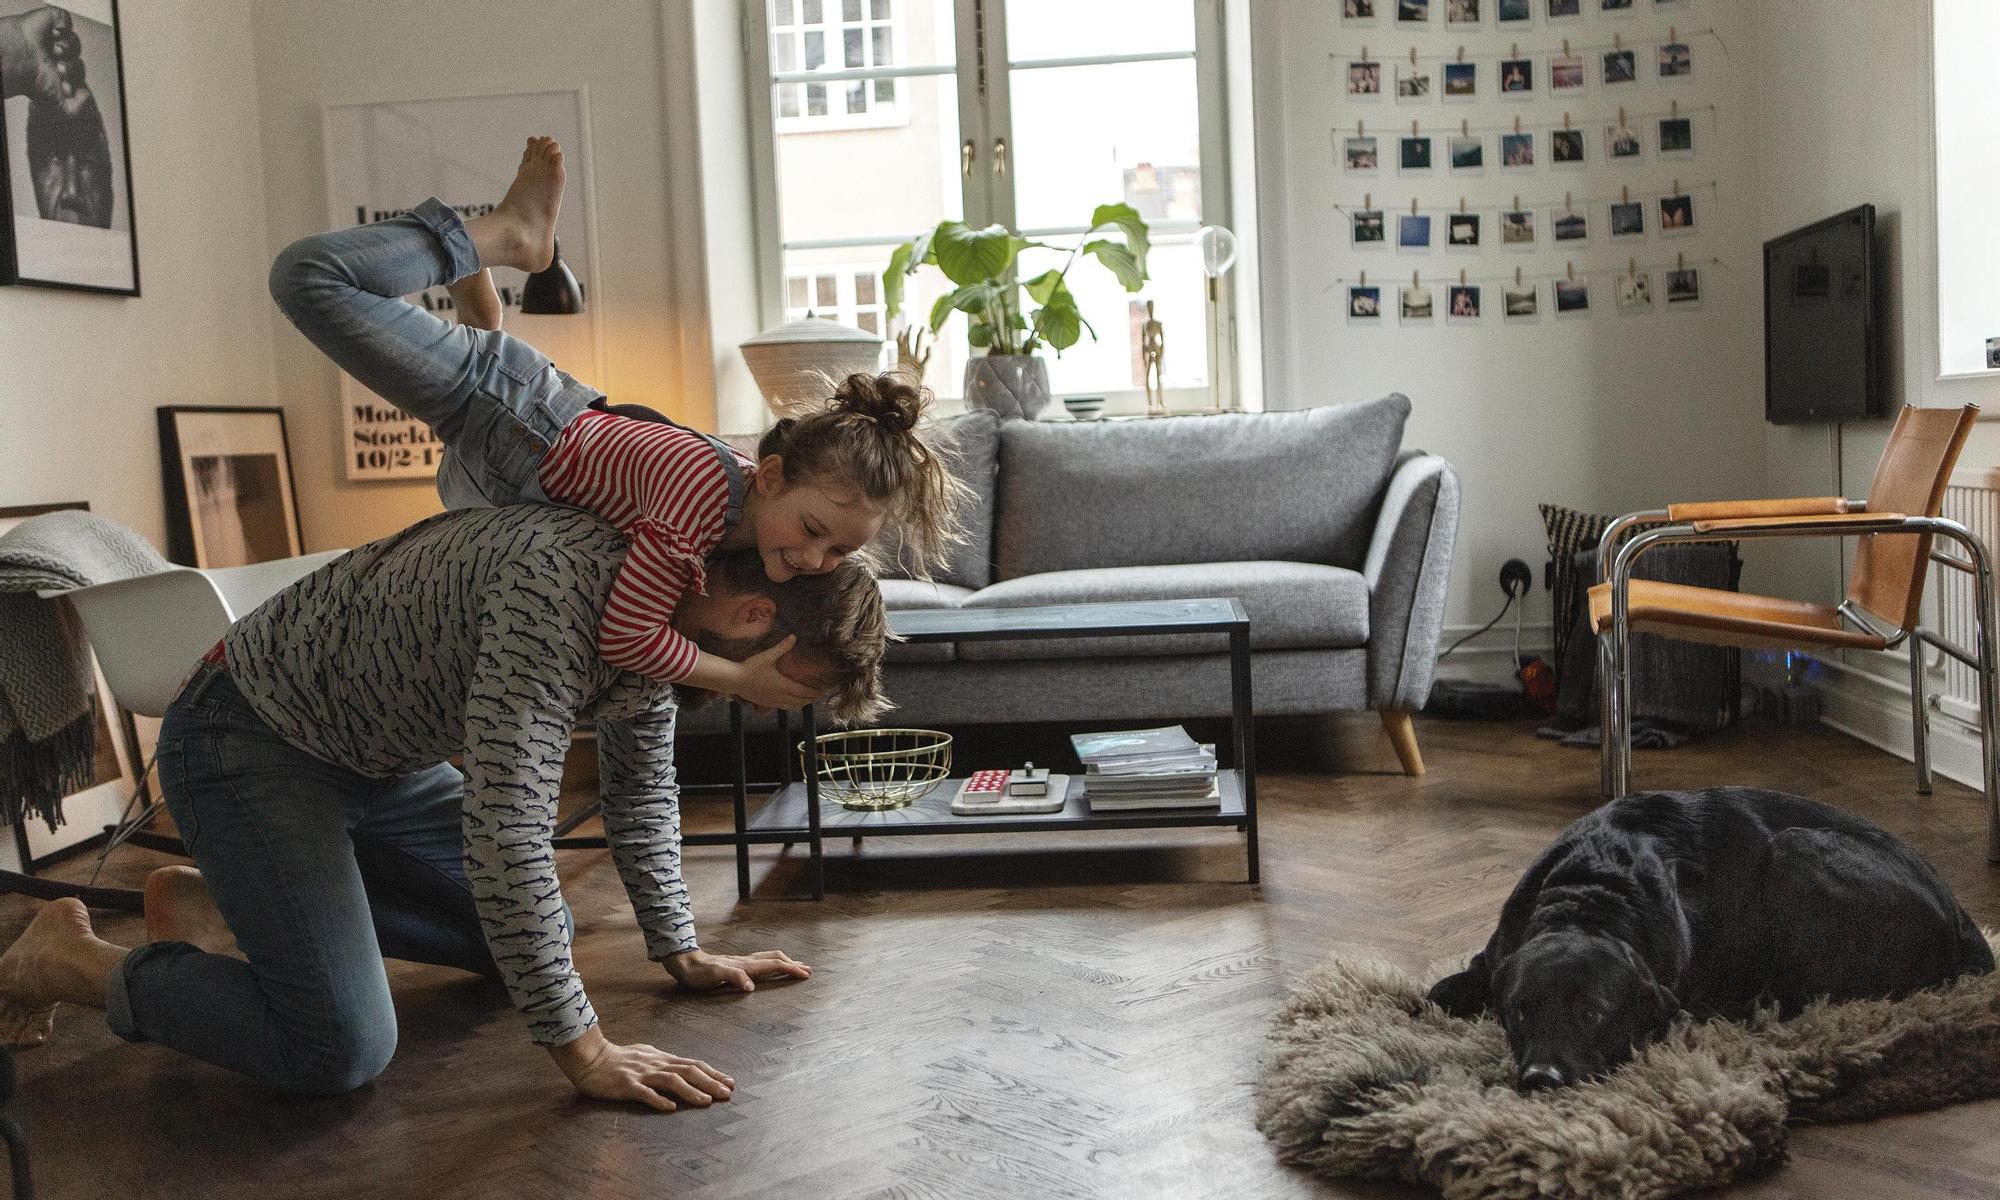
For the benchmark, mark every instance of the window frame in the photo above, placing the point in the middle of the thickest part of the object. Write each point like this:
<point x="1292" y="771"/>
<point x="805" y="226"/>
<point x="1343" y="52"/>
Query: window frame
<point x="985" y="123"/>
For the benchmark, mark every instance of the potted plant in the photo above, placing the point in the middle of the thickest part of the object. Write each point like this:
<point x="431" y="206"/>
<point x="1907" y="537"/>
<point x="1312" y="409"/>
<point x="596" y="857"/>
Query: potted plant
<point x="1009" y="378"/>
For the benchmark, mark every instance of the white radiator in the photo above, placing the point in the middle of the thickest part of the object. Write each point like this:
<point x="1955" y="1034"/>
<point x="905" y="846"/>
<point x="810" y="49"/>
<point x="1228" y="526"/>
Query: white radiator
<point x="1973" y="500"/>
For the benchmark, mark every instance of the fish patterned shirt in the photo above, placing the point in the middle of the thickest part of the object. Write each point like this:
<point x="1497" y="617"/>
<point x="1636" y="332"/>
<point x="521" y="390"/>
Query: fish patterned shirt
<point x="475" y="633"/>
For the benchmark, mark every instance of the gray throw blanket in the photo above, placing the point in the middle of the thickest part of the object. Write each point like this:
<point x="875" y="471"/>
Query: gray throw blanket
<point x="1678" y="688"/>
<point x="48" y="698"/>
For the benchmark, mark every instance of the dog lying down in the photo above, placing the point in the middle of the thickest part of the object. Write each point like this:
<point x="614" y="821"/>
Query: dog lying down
<point x="1710" y="903"/>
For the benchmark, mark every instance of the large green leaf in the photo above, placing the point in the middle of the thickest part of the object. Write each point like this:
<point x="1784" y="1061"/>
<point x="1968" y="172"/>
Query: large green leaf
<point x="892" y="277"/>
<point x="1042" y="286"/>
<point x="972" y="298"/>
<point x="1130" y="223"/>
<point x="1130" y="272"/>
<point x="979" y="335"/>
<point x="1058" y="321"/>
<point x="904" y="261"/>
<point x="969" y="255"/>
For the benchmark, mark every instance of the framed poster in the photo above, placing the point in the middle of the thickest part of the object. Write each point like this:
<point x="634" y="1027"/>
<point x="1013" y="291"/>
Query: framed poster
<point x="384" y="158"/>
<point x="228" y="473"/>
<point x="66" y="170"/>
<point x="112" y="778"/>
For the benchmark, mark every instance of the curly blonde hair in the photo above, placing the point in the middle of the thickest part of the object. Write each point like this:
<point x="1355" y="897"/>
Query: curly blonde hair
<point x="874" y="434"/>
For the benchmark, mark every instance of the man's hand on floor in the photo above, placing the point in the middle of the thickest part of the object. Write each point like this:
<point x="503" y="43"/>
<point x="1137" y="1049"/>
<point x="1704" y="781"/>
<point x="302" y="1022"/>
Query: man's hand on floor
<point x="700" y="971"/>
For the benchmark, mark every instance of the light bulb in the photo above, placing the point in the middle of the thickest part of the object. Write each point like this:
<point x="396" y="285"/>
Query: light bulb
<point x="1218" y="250"/>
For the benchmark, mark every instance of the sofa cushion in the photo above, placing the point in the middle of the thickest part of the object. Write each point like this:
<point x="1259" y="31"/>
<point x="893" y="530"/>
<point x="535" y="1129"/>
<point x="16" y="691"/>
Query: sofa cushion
<point x="910" y="593"/>
<point x="1292" y="606"/>
<point x="1295" y="486"/>
<point x="977" y="436"/>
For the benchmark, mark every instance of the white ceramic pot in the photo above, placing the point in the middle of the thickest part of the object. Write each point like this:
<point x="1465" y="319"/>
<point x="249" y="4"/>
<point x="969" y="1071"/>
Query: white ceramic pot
<point x="1013" y="385"/>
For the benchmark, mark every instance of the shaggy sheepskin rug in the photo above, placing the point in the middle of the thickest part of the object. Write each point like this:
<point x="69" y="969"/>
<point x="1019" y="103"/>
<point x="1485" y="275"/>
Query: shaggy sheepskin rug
<point x="1365" y="1078"/>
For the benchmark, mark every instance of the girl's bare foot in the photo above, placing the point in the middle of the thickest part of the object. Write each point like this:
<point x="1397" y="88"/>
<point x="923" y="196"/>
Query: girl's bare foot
<point x="56" y="958"/>
<point x="180" y="908"/>
<point x="477" y="303"/>
<point x="521" y="232"/>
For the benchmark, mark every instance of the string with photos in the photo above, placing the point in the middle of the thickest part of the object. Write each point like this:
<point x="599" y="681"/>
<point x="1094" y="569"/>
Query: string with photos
<point x="1569" y="201"/>
<point x="1461" y="277"/>
<point x="1465" y="128"/>
<point x="1567" y="48"/>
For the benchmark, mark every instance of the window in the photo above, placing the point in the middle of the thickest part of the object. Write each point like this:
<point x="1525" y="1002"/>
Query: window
<point x="1968" y="175"/>
<point x="1026" y="113"/>
<point x="834" y="35"/>
<point x="850" y="294"/>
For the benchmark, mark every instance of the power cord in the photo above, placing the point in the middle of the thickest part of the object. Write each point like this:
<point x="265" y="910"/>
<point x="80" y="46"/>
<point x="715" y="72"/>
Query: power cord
<point x="1483" y="628"/>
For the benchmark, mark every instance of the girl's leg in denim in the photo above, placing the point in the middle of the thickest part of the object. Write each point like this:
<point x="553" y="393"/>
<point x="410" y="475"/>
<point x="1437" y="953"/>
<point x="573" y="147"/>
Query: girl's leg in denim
<point x="494" y="400"/>
<point x="269" y="827"/>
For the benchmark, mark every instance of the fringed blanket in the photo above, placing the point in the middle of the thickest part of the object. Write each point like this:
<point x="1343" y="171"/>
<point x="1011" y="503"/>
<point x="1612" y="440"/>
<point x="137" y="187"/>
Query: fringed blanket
<point x="48" y="704"/>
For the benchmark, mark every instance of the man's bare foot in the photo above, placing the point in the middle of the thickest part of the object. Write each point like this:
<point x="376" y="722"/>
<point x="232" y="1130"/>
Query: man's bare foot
<point x="477" y="303"/>
<point x="521" y="232"/>
<point x="180" y="908"/>
<point x="45" y="964"/>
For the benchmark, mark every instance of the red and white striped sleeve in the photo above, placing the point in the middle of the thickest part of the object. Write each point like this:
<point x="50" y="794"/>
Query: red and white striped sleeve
<point x="664" y="488"/>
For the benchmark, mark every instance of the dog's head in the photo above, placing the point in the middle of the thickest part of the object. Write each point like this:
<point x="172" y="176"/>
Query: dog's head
<point x="1575" y="1006"/>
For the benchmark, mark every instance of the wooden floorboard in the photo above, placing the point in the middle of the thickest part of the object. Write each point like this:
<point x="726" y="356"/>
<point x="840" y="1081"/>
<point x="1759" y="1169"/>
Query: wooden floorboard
<point x="1023" y="1016"/>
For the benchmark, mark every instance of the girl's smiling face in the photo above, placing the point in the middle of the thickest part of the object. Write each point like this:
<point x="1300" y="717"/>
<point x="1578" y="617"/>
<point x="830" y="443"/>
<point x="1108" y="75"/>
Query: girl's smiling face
<point x="806" y="528"/>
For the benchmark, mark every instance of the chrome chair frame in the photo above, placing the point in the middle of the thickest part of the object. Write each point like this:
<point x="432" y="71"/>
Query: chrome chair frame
<point x="1615" y="562"/>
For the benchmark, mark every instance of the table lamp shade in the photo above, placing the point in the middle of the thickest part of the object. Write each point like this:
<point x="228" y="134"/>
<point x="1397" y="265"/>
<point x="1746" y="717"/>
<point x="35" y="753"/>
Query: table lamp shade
<point x="554" y="290"/>
<point x="793" y="362"/>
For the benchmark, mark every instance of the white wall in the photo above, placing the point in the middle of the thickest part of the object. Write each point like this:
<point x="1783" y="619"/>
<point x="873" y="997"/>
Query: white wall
<point x="309" y="53"/>
<point x="1822" y="152"/>
<point x="83" y="373"/>
<point x="1610" y="414"/>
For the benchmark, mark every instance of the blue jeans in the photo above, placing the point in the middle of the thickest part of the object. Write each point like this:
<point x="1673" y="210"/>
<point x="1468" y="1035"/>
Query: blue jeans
<point x="495" y="401"/>
<point x="320" y="873"/>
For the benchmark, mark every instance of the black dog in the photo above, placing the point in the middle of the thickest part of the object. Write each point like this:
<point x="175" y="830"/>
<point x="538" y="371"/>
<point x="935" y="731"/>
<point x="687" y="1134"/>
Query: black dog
<point x="1709" y="902"/>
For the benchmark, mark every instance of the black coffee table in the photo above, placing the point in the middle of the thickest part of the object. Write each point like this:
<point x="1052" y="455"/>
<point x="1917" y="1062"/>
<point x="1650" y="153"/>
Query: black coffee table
<point x="796" y="813"/>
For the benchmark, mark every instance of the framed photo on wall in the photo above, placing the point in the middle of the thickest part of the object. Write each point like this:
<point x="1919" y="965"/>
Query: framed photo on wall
<point x="228" y="475"/>
<point x="66" y="162"/>
<point x="88" y="810"/>
<point x="383" y="158"/>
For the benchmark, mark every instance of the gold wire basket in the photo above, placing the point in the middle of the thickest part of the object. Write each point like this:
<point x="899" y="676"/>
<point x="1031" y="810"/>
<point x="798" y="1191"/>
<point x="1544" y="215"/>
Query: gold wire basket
<point x="878" y="769"/>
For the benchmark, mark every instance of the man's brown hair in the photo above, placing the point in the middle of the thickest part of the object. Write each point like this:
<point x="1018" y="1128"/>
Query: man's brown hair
<point x="838" y="618"/>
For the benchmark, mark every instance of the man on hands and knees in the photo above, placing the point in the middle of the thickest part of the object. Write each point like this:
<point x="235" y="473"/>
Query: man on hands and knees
<point x="333" y="832"/>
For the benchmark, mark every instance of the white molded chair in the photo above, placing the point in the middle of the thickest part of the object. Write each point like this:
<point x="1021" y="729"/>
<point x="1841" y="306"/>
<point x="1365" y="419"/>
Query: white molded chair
<point x="148" y="633"/>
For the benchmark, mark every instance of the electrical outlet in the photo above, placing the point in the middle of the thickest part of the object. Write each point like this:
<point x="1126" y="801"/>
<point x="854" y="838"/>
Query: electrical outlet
<point x="1515" y="577"/>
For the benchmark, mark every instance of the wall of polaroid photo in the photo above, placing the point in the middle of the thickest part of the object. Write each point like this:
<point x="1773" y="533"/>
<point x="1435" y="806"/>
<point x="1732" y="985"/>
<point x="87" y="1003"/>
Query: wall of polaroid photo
<point x="80" y="374"/>
<point x="1609" y="408"/>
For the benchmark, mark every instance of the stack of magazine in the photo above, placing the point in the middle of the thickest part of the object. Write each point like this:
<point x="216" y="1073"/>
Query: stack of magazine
<point x="1146" y="768"/>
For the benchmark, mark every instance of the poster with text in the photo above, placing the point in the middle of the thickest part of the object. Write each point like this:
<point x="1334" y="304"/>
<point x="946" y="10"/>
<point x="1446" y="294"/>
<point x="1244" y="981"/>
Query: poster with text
<point x="385" y="158"/>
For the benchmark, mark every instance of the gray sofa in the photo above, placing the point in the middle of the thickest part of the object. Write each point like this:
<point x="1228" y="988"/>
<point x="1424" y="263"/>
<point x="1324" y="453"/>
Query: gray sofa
<point x="1337" y="541"/>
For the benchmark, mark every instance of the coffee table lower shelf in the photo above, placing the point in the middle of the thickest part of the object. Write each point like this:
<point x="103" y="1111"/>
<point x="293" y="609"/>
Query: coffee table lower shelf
<point x="784" y="818"/>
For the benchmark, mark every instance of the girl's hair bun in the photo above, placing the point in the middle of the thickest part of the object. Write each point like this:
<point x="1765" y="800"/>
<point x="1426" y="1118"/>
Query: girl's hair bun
<point x="892" y="399"/>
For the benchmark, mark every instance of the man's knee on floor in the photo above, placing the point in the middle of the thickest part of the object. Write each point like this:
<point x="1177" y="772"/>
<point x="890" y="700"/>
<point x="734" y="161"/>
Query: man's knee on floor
<point x="340" y="1059"/>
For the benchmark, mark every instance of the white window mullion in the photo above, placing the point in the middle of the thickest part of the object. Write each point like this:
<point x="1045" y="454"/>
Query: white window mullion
<point x="997" y="146"/>
<point x="973" y="161"/>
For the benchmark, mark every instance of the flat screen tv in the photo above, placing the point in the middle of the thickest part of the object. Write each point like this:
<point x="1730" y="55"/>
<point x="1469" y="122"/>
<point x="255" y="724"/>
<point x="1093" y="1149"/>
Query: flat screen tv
<point x="1821" y="323"/>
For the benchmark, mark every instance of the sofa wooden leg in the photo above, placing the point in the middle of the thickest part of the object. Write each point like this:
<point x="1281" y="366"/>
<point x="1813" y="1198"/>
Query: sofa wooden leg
<point x="1403" y="735"/>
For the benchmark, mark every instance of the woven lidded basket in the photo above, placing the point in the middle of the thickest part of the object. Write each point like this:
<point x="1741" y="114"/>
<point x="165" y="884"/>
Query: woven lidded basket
<point x="792" y="362"/>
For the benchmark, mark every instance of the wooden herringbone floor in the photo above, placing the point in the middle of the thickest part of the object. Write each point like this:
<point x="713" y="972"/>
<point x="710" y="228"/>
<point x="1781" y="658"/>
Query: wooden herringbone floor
<point x="1080" y="1017"/>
